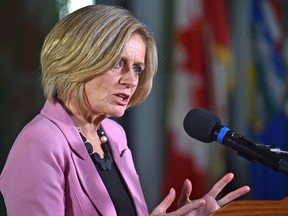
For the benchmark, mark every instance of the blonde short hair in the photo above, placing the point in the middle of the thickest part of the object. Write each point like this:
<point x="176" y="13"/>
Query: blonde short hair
<point x="88" y="42"/>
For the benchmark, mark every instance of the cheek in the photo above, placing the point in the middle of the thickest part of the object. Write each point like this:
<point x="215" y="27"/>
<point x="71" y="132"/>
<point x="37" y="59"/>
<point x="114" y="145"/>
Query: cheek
<point x="137" y="85"/>
<point x="92" y="90"/>
<point x="134" y="89"/>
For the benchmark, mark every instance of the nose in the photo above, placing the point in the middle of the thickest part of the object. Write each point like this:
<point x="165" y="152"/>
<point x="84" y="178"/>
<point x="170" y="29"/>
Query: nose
<point x="129" y="78"/>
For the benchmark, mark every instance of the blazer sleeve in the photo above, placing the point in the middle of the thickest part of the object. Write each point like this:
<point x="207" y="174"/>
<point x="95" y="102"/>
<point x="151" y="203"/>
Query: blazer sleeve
<point x="32" y="180"/>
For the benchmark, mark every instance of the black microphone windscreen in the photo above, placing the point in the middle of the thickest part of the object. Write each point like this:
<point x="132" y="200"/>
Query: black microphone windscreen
<point x="199" y="124"/>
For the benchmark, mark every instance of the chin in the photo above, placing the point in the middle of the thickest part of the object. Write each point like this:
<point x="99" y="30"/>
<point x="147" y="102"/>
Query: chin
<point x="117" y="113"/>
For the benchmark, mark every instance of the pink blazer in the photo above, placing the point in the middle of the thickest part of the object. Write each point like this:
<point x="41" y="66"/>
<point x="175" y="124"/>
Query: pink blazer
<point x="49" y="171"/>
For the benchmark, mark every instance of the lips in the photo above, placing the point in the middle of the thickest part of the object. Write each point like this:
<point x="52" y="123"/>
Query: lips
<point x="121" y="96"/>
<point x="122" y="99"/>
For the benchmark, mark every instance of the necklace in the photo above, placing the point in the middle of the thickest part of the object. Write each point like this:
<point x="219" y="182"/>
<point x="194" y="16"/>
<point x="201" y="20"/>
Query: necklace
<point x="104" y="163"/>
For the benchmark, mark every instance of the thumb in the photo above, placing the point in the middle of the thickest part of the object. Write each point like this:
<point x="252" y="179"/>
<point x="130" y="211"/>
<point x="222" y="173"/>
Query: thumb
<point x="165" y="204"/>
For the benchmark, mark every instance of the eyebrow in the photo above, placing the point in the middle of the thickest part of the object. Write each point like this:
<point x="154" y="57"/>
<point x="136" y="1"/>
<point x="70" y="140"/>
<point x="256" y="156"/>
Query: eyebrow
<point x="141" y="64"/>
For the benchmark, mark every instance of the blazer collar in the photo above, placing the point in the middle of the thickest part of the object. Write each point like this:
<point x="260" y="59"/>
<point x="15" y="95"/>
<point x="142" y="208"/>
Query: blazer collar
<point x="88" y="175"/>
<point x="123" y="158"/>
<point x="57" y="114"/>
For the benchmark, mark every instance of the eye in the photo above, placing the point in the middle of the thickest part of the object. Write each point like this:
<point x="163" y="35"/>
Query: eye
<point x="137" y="69"/>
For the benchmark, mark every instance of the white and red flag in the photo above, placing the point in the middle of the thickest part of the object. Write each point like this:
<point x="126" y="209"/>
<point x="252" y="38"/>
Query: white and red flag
<point x="202" y="63"/>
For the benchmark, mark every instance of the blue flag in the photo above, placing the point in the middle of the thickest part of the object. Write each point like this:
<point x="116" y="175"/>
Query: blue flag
<point x="268" y="121"/>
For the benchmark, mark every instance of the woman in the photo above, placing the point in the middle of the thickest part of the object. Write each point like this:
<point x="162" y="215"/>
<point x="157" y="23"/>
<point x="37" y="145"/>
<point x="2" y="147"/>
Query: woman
<point x="71" y="159"/>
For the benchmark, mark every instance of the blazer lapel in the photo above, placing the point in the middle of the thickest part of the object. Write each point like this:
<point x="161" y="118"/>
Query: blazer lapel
<point x="132" y="181"/>
<point x="123" y="158"/>
<point x="88" y="176"/>
<point x="93" y="185"/>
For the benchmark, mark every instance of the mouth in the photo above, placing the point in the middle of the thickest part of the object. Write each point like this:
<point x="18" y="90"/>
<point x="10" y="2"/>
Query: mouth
<point x="122" y="99"/>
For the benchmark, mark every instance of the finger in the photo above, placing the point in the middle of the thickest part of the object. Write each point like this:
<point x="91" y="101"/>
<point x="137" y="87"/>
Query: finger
<point x="188" y="208"/>
<point x="218" y="187"/>
<point x="185" y="193"/>
<point x="233" y="195"/>
<point x="166" y="203"/>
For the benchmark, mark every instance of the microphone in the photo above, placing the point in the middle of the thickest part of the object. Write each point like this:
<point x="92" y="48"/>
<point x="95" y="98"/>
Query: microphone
<point x="205" y="126"/>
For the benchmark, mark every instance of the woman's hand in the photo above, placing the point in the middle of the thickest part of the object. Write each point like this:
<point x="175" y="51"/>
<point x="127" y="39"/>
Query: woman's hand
<point x="201" y="207"/>
<point x="182" y="210"/>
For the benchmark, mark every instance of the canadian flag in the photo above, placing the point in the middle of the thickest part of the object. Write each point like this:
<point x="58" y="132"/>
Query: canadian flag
<point x="198" y="63"/>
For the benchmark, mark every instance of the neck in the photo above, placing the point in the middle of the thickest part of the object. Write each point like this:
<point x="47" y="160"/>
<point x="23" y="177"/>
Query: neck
<point x="86" y="122"/>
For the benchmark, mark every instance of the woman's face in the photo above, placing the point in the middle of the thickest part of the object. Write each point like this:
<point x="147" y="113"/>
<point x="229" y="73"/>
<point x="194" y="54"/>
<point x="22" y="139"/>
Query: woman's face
<point x="109" y="93"/>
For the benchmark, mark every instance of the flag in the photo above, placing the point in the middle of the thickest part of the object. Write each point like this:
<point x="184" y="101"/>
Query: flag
<point x="201" y="62"/>
<point x="267" y="93"/>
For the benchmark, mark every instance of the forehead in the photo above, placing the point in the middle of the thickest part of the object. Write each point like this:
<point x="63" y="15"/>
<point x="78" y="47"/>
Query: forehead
<point x="135" y="47"/>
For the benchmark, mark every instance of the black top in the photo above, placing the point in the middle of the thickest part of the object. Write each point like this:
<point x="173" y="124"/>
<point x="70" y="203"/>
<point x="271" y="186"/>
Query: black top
<point x="112" y="180"/>
<point x="117" y="190"/>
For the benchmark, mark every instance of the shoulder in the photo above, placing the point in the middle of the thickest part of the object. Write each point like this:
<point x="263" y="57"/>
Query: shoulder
<point x="36" y="165"/>
<point x="41" y="140"/>
<point x="39" y="131"/>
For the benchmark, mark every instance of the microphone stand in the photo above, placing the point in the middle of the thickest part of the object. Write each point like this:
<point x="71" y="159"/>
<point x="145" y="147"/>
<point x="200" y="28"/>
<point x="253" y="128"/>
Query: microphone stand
<point x="269" y="156"/>
<point x="283" y="164"/>
<point x="277" y="155"/>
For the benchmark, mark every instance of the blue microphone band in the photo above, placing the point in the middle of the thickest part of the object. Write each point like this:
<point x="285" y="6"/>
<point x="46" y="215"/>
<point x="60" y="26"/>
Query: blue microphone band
<point x="221" y="134"/>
